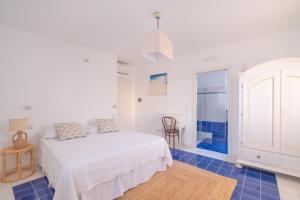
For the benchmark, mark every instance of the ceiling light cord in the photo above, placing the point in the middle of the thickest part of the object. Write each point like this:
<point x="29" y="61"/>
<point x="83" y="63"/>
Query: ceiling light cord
<point x="157" y="22"/>
<point x="157" y="17"/>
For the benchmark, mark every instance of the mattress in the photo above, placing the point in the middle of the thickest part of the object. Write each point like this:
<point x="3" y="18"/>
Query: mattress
<point x="78" y="165"/>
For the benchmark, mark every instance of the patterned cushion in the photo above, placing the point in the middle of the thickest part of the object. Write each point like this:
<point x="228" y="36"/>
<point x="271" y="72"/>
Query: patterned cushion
<point x="69" y="130"/>
<point x="106" y="125"/>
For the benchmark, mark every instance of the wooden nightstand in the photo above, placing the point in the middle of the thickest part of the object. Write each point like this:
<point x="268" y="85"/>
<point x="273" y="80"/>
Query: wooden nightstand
<point x="20" y="172"/>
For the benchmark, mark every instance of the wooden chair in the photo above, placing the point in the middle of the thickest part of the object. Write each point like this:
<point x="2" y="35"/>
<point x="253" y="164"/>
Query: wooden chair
<point x="170" y="129"/>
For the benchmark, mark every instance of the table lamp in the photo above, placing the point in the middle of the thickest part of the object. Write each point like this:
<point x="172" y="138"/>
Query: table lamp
<point x="17" y="126"/>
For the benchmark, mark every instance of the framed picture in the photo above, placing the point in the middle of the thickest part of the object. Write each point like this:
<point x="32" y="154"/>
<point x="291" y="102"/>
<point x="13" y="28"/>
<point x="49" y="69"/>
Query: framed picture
<point x="158" y="84"/>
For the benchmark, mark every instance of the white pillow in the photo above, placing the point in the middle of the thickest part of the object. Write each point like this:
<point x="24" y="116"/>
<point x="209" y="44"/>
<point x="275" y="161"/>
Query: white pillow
<point x="106" y="125"/>
<point x="69" y="130"/>
<point x="48" y="133"/>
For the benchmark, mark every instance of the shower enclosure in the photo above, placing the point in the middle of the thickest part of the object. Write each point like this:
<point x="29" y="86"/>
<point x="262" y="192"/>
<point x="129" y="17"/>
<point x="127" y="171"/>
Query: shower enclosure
<point x="212" y="124"/>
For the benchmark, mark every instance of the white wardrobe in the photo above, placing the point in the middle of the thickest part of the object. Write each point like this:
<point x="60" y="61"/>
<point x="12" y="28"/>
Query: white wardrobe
<point x="270" y="116"/>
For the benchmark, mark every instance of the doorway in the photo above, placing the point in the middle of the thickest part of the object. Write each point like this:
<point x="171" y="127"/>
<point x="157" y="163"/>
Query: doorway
<point x="212" y="123"/>
<point x="124" y="102"/>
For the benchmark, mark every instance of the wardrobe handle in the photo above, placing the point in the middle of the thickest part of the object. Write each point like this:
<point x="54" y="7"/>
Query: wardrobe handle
<point x="258" y="157"/>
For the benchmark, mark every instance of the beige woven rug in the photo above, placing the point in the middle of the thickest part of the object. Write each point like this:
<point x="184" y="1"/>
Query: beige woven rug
<point x="183" y="182"/>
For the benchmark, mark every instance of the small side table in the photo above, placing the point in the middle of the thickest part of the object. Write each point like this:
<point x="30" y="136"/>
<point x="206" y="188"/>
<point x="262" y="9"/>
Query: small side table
<point x="19" y="171"/>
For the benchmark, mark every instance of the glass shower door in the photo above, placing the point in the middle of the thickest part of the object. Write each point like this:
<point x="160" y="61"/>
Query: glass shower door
<point x="212" y="122"/>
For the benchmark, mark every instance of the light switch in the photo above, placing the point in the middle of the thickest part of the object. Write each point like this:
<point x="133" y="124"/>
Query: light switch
<point x="27" y="107"/>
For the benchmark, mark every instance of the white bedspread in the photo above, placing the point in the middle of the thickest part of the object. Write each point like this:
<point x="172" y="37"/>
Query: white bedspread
<point x="77" y="165"/>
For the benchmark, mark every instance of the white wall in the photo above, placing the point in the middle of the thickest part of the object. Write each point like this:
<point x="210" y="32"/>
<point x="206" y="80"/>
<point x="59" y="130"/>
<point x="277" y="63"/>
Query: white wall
<point x="182" y="81"/>
<point x="53" y="77"/>
<point x="211" y="80"/>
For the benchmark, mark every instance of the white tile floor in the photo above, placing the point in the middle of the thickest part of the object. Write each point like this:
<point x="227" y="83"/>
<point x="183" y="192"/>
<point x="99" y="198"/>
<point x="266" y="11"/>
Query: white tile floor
<point x="204" y="152"/>
<point x="289" y="187"/>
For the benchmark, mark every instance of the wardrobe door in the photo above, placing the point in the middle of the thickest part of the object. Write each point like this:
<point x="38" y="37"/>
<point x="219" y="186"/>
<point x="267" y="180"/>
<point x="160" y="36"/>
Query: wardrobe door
<point x="260" y="114"/>
<point x="290" y="113"/>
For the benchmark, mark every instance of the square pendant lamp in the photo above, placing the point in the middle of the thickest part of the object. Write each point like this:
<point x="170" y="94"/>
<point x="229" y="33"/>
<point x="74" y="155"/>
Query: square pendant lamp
<point x="156" y="46"/>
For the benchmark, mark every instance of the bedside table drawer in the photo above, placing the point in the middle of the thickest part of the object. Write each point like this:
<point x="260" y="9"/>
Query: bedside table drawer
<point x="260" y="157"/>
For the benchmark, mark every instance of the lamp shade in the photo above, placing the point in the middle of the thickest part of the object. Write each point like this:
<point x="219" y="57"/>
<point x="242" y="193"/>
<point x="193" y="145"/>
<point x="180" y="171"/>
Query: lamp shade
<point x="18" y="124"/>
<point x="157" y="46"/>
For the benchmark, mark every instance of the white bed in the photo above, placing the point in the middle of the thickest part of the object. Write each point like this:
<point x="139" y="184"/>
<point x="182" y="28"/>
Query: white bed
<point x="102" y="166"/>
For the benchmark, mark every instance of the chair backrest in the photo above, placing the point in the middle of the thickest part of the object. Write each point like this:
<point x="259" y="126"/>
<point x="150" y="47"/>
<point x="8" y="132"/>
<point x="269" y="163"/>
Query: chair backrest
<point x="169" y="123"/>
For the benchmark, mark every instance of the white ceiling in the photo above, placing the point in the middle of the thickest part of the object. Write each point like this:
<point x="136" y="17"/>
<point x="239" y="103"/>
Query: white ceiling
<point x="116" y="25"/>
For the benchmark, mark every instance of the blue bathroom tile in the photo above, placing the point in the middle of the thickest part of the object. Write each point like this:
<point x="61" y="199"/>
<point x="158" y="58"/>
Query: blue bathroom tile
<point x="269" y="189"/>
<point x="268" y="185"/>
<point x="214" y="145"/>
<point x="24" y="192"/>
<point x="252" y="177"/>
<point x="246" y="196"/>
<point x="239" y="177"/>
<point x="183" y="153"/>
<point x="22" y="186"/>
<point x="238" y="172"/>
<point x="218" y="142"/>
<point x="251" y="186"/>
<point x="238" y="188"/>
<point x="270" y="195"/>
<point x="31" y="196"/>
<point x="251" y="189"/>
<point x="225" y="171"/>
<point x="39" y="181"/>
<point x="253" y="170"/>
<point x="175" y="157"/>
<point x="240" y="181"/>
<point x="265" y="173"/>
<point x="236" y="195"/>
<point x="179" y="155"/>
<point x="217" y="162"/>
<point x="44" y="191"/>
<point x="268" y="178"/>
<point x="252" y="174"/>
<point x="207" y="159"/>
<point x="40" y="186"/>
<point x="202" y="165"/>
<point x="212" y="168"/>
<point x="252" y="180"/>
<point x="47" y="197"/>
<point x="184" y="158"/>
<point x="228" y="165"/>
<point x="195" y="160"/>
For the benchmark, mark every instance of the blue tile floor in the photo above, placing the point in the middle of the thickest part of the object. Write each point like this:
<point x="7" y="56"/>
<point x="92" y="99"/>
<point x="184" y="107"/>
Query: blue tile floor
<point x="37" y="189"/>
<point x="252" y="184"/>
<point x="214" y="144"/>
